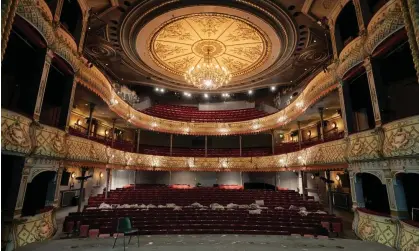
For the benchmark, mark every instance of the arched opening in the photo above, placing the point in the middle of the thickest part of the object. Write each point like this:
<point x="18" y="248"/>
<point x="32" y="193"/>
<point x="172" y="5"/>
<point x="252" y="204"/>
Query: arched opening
<point x="346" y="28"/>
<point x="72" y="19"/>
<point x="375" y="193"/>
<point x="410" y="187"/>
<point x="363" y="116"/>
<point x="22" y="67"/>
<point x="57" y="94"/>
<point x="39" y="193"/>
<point x="399" y="83"/>
<point x="375" y="5"/>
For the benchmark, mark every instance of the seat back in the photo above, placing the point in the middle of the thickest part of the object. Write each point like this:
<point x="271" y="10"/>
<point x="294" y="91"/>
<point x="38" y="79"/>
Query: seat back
<point x="124" y="224"/>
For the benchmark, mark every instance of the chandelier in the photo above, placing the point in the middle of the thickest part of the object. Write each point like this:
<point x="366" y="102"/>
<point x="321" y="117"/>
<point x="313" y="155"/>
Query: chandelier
<point x="208" y="75"/>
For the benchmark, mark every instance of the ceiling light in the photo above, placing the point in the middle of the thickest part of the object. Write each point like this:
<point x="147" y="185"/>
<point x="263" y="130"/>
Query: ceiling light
<point x="208" y="75"/>
<point x="250" y="92"/>
<point x="205" y="95"/>
<point x="273" y="88"/>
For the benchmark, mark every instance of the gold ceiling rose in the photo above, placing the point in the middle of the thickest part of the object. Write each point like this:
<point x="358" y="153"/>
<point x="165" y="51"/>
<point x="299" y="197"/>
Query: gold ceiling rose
<point x="215" y="44"/>
<point x="208" y="75"/>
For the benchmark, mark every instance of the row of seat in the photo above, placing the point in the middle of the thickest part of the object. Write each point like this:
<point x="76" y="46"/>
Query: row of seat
<point x="187" y="113"/>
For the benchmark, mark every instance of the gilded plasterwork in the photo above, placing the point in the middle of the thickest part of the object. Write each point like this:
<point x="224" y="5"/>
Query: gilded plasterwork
<point x="230" y="41"/>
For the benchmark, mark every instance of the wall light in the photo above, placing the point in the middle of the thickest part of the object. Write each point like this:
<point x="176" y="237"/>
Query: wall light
<point x="78" y="122"/>
<point x="73" y="175"/>
<point x="337" y="177"/>
<point x="162" y="90"/>
<point x="273" y="88"/>
<point x="101" y="175"/>
<point x="309" y="133"/>
<point x="106" y="132"/>
<point x="334" y="125"/>
<point x="250" y="92"/>
<point x="312" y="177"/>
<point x="206" y="95"/>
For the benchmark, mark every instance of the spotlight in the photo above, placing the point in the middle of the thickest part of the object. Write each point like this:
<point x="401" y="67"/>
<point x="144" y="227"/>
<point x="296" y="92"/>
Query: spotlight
<point x="273" y="88"/>
<point x="250" y="92"/>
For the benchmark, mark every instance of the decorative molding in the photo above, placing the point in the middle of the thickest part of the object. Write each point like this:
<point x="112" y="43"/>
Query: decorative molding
<point x="96" y="81"/>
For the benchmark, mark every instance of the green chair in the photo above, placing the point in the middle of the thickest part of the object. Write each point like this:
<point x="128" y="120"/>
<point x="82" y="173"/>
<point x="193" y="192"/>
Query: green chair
<point x="124" y="226"/>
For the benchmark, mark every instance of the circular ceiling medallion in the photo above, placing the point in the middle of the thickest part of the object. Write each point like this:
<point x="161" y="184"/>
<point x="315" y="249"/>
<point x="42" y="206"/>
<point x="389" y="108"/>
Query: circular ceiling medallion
<point x="230" y="41"/>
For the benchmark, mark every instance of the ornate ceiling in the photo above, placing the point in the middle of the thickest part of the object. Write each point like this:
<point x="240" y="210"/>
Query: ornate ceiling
<point x="153" y="42"/>
<point x="230" y="41"/>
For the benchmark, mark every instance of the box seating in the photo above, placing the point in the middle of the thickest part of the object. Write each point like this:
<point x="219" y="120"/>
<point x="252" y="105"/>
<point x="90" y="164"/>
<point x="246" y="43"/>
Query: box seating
<point x="191" y="220"/>
<point x="189" y="113"/>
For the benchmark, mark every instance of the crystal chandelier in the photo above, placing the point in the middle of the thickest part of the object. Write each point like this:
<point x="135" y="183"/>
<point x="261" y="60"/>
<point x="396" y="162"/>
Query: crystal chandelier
<point x="208" y="76"/>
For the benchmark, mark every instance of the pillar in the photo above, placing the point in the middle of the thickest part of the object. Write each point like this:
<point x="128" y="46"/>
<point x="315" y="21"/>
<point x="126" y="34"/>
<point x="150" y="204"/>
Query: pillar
<point x="410" y="23"/>
<point x="22" y="192"/>
<point x="356" y="191"/>
<point x="363" y="15"/>
<point x="299" y="134"/>
<point x="8" y="11"/>
<point x="57" y="187"/>
<point x="396" y="198"/>
<point x="336" y="40"/>
<point x="81" y="194"/>
<point x="70" y="105"/>
<point x="329" y="192"/>
<point x="321" y="124"/>
<point x="206" y="146"/>
<point x="240" y="144"/>
<point x="84" y="30"/>
<point x="346" y="107"/>
<point x="58" y="9"/>
<point x="42" y="85"/>
<point x="108" y="177"/>
<point x="171" y="144"/>
<point x="138" y="140"/>
<point x="375" y="86"/>
<point x="113" y="131"/>
<point x="414" y="16"/>
<point x="273" y="141"/>
<point x="89" y="127"/>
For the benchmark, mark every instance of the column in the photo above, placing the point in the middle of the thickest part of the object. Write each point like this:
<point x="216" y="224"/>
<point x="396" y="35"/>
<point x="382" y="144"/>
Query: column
<point x="321" y="124"/>
<point x="57" y="187"/>
<point x="240" y="144"/>
<point x="407" y="7"/>
<point x="138" y="140"/>
<point x="171" y="144"/>
<point x="22" y="192"/>
<point x="70" y="105"/>
<point x="206" y="146"/>
<point x="273" y="141"/>
<point x="363" y="15"/>
<point x="135" y="178"/>
<point x="329" y="192"/>
<point x="81" y="194"/>
<point x="414" y="16"/>
<point x="346" y="107"/>
<point x="83" y="31"/>
<point x="8" y="10"/>
<point x="58" y="9"/>
<point x="108" y="177"/>
<point x="42" y="85"/>
<point x="375" y="85"/>
<point x="396" y="198"/>
<point x="89" y="127"/>
<point x="299" y="134"/>
<point x="304" y="185"/>
<point x="356" y="191"/>
<point x="113" y="131"/>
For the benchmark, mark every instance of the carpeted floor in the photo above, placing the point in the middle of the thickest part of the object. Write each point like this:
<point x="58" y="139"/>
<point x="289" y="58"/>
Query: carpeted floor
<point x="209" y="243"/>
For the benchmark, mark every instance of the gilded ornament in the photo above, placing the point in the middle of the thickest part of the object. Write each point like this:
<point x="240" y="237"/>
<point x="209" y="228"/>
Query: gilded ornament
<point x="16" y="135"/>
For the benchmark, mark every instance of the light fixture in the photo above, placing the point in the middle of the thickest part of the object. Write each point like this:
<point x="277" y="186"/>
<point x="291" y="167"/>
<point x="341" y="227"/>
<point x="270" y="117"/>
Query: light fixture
<point x="309" y="133"/>
<point x="157" y="89"/>
<point x="206" y="95"/>
<point x="187" y="94"/>
<point x="73" y="175"/>
<point x="162" y="90"/>
<point x="106" y="132"/>
<point x="334" y="125"/>
<point x="101" y="175"/>
<point x="312" y="177"/>
<point x="273" y="88"/>
<point x="78" y="122"/>
<point x="250" y="92"/>
<point x="315" y="41"/>
<point x="337" y="177"/>
<point x="208" y="75"/>
<point x="225" y="95"/>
